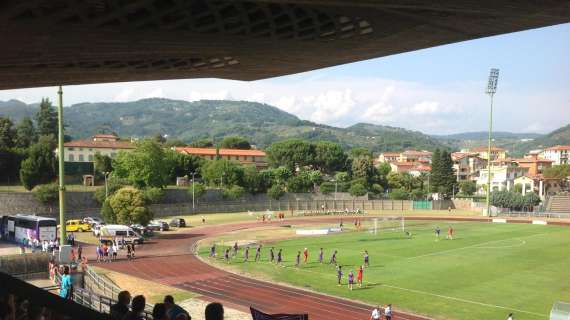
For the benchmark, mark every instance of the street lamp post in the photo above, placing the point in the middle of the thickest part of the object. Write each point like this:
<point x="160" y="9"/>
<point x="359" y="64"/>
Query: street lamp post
<point x="61" y="161"/>
<point x="193" y="202"/>
<point x="106" y="174"/>
<point x="491" y="90"/>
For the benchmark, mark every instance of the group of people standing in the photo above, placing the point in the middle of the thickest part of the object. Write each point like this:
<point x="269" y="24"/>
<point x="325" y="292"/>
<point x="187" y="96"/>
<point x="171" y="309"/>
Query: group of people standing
<point x="108" y="252"/>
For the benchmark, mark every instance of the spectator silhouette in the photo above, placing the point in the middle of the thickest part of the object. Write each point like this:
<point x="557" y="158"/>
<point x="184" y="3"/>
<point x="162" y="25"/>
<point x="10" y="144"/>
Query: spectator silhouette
<point x="159" y="312"/>
<point x="120" y="309"/>
<point x="214" y="311"/>
<point x="137" y="308"/>
<point x="172" y="309"/>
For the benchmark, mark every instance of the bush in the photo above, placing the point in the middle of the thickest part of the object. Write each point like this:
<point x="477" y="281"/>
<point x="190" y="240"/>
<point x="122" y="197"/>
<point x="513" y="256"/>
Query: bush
<point x="468" y="187"/>
<point x="153" y="195"/>
<point x="327" y="187"/>
<point x="107" y="213"/>
<point x="113" y="184"/>
<point x="399" y="194"/>
<point x="531" y="199"/>
<point x="299" y="184"/>
<point x="357" y="190"/>
<point x="234" y="192"/>
<point x="275" y="192"/>
<point x="418" y="194"/>
<point x="129" y="206"/>
<point x="377" y="189"/>
<point x="47" y="193"/>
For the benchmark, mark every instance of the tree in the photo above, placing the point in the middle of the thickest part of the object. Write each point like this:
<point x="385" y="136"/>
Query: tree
<point x="363" y="167"/>
<point x="222" y="173"/>
<point x="10" y="164"/>
<point x="417" y="194"/>
<point x="181" y="164"/>
<point x="235" y="142"/>
<point x="197" y="190"/>
<point x="107" y="212"/>
<point x="291" y="154"/>
<point x="46" y="119"/>
<point x="25" y="133"/>
<point x="518" y="188"/>
<point x="329" y="157"/>
<point x="114" y="183"/>
<point x="531" y="199"/>
<point x="299" y="184"/>
<point x="276" y="192"/>
<point x="7" y="133"/>
<point x="103" y="163"/>
<point x="40" y="165"/>
<point x="146" y="166"/>
<point x="174" y="143"/>
<point x="47" y="193"/>
<point x="255" y="181"/>
<point x="160" y="139"/>
<point x="280" y="175"/>
<point x="129" y="206"/>
<point x="342" y="177"/>
<point x="357" y="190"/>
<point x="202" y="143"/>
<point x="376" y="189"/>
<point x="360" y="152"/>
<point x="327" y="187"/>
<point x="234" y="192"/>
<point x="558" y="172"/>
<point x="153" y="195"/>
<point x="449" y="179"/>
<point x="399" y="194"/>
<point x="436" y="179"/>
<point x="468" y="187"/>
<point x="384" y="168"/>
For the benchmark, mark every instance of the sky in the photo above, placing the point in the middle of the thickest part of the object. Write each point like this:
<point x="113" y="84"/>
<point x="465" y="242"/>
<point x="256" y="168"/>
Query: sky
<point x="439" y="90"/>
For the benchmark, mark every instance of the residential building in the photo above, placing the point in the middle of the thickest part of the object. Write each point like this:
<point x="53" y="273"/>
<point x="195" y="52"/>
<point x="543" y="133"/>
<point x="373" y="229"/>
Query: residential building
<point x="558" y="154"/>
<point x="104" y="144"/>
<point x="534" y="164"/>
<point x="416" y="156"/>
<point x="389" y="157"/>
<point x="540" y="185"/>
<point x="502" y="177"/>
<point x="257" y="158"/>
<point x="496" y="153"/>
<point x="467" y="165"/>
<point x="412" y="168"/>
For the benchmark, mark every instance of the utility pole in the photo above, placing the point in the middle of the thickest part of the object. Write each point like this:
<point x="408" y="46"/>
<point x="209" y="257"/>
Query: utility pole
<point x="193" y="202"/>
<point x="106" y="174"/>
<point x="491" y="90"/>
<point x="61" y="155"/>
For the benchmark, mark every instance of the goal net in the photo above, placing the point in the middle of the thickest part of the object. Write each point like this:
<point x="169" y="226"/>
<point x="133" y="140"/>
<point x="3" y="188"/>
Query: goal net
<point x="385" y="224"/>
<point x="560" y="311"/>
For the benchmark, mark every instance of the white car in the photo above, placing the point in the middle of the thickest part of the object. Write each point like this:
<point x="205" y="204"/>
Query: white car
<point x="93" y="220"/>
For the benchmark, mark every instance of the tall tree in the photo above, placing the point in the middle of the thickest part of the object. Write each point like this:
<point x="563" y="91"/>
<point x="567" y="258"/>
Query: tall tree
<point x="7" y="133"/>
<point x="46" y="119"/>
<point x="235" y="142"/>
<point x="222" y="172"/>
<point x="360" y="152"/>
<point x="449" y="179"/>
<point x="202" y="143"/>
<point x="329" y="157"/>
<point x="25" y="133"/>
<point x="40" y="166"/>
<point x="146" y="166"/>
<point x="436" y="174"/>
<point x="103" y="163"/>
<point x="363" y="168"/>
<point x="291" y="153"/>
<point x="183" y="164"/>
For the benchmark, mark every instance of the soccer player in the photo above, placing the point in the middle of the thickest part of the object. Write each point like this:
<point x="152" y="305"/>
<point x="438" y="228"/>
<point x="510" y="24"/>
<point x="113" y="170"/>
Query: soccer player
<point x="388" y="312"/>
<point x="437" y="233"/>
<point x="450" y="233"/>
<point x="227" y="255"/>
<point x="339" y="274"/>
<point x="366" y="259"/>
<point x="246" y="254"/>
<point x="333" y="258"/>
<point x="321" y="254"/>
<point x="213" y="251"/>
<point x="235" y="248"/>
<point x="271" y="255"/>
<point x="306" y="255"/>
<point x="298" y="259"/>
<point x="511" y="316"/>
<point x="350" y="280"/>
<point x="376" y="314"/>
<point x="359" y="276"/>
<point x="280" y="256"/>
<point x="258" y="253"/>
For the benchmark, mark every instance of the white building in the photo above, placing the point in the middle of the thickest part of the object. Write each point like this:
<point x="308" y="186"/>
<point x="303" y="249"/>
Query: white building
<point x="559" y="154"/>
<point x="104" y="144"/>
<point x="502" y="177"/>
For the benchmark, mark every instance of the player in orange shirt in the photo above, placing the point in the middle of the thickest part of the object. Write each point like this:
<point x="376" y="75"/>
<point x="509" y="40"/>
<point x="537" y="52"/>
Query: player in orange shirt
<point x="306" y="255"/>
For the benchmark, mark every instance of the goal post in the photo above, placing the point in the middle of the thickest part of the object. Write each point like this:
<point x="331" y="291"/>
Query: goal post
<point x="389" y="223"/>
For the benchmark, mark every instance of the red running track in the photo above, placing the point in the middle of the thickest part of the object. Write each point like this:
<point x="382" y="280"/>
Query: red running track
<point x="170" y="260"/>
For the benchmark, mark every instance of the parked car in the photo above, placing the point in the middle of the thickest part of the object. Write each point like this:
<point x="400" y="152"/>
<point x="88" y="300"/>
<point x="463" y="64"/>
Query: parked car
<point x="157" y="225"/>
<point x="178" y="222"/>
<point x="96" y="229"/>
<point x="140" y="229"/>
<point x="93" y="220"/>
<point x="121" y="233"/>
<point x="76" y="225"/>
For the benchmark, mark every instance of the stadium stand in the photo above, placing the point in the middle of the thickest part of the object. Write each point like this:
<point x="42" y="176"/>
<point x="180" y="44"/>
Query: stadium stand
<point x="559" y="203"/>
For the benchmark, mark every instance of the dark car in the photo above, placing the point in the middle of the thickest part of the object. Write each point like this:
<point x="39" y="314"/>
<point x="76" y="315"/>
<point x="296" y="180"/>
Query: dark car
<point x="156" y="225"/>
<point x="178" y="222"/>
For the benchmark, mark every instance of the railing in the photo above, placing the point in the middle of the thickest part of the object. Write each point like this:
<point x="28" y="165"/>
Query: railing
<point x="531" y="214"/>
<point x="101" y="303"/>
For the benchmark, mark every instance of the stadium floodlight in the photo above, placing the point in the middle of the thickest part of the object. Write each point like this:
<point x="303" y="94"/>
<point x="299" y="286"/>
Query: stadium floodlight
<point x="491" y="90"/>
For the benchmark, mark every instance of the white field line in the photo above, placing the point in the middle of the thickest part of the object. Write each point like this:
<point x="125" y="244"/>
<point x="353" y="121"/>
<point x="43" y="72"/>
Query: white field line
<point x="477" y="245"/>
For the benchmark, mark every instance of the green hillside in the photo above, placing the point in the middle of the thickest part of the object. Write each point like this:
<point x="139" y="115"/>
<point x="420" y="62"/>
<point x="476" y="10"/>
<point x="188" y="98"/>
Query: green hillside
<point x="262" y="124"/>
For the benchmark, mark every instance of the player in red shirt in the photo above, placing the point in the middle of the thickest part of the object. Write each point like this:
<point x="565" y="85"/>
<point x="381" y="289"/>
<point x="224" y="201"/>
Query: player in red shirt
<point x="450" y="233"/>
<point x="306" y="255"/>
<point x="359" y="276"/>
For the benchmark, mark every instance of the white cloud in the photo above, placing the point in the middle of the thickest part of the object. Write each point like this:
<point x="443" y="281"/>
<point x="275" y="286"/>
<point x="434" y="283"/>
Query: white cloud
<point x="425" y="107"/>
<point x="156" y="93"/>
<point x="124" y="95"/>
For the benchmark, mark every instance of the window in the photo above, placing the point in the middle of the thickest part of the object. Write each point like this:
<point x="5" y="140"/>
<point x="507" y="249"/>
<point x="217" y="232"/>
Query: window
<point x="237" y="157"/>
<point x="90" y="157"/>
<point x="90" y="149"/>
<point x="71" y="158"/>
<point x="70" y="149"/>
<point x="80" y="158"/>
<point x="80" y="149"/>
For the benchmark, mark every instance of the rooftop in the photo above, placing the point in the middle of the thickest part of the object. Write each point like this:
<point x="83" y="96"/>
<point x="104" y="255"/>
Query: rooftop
<point x="99" y="144"/>
<point x="557" y="148"/>
<point x="223" y="152"/>
<point x="485" y="149"/>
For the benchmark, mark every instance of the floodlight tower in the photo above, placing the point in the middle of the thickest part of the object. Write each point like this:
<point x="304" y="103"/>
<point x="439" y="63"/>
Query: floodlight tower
<point x="491" y="90"/>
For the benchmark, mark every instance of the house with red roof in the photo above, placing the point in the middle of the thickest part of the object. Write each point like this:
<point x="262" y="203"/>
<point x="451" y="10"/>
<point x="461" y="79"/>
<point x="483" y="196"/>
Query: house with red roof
<point x="104" y="144"/>
<point x="254" y="157"/>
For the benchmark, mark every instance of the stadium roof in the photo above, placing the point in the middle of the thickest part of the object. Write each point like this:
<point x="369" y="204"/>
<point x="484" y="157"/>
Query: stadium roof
<point x="52" y="42"/>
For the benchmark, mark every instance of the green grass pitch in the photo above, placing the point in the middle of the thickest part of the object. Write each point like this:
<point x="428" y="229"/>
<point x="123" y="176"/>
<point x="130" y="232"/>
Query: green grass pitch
<point x="487" y="271"/>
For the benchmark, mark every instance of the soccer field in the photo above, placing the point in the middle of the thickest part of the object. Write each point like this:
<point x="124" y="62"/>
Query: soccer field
<point x="485" y="272"/>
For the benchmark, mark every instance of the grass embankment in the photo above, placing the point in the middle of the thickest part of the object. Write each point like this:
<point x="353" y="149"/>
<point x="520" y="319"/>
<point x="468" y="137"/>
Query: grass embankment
<point x="487" y="271"/>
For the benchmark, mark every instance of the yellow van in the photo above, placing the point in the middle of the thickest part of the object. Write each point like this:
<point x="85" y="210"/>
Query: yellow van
<point x="76" y="225"/>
